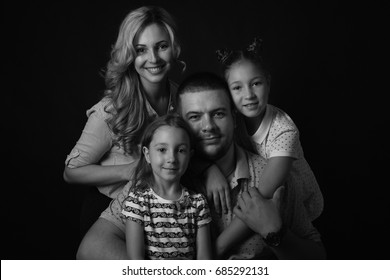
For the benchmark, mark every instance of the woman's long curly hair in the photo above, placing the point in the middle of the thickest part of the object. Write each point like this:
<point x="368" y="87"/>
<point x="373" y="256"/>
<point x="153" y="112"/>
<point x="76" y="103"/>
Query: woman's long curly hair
<point x="127" y="105"/>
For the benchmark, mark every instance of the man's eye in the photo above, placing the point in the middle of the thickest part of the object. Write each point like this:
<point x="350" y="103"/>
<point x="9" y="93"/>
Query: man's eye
<point x="193" y="118"/>
<point x="219" y="114"/>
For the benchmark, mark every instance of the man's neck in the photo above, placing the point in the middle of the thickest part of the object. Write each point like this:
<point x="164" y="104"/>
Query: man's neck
<point x="227" y="163"/>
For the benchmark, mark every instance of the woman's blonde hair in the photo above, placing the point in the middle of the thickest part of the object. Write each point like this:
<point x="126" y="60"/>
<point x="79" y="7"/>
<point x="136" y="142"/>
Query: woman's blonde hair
<point x="126" y="104"/>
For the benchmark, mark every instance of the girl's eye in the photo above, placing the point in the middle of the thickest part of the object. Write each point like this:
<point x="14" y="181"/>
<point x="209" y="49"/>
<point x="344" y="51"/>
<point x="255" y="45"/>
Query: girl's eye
<point x="161" y="150"/>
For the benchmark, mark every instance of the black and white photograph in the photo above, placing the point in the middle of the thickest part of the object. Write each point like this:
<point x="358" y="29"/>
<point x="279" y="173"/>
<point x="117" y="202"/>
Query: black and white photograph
<point x="200" y="130"/>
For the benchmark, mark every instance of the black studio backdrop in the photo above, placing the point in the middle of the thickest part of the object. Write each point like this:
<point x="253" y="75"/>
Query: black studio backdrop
<point x="322" y="55"/>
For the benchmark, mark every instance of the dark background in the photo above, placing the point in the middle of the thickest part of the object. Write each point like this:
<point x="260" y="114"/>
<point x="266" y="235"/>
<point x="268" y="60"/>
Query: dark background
<point x="328" y="72"/>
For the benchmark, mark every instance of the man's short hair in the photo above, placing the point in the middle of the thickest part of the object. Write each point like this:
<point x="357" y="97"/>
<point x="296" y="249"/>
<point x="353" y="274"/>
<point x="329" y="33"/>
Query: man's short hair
<point x="202" y="81"/>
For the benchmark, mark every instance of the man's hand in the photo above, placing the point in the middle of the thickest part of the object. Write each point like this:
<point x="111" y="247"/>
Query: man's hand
<point x="260" y="214"/>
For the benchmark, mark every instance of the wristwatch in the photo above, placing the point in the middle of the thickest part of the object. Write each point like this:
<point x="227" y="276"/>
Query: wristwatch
<point x="274" y="239"/>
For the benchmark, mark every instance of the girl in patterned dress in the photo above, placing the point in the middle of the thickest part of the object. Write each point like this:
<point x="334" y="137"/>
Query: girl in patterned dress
<point x="268" y="131"/>
<point x="165" y="220"/>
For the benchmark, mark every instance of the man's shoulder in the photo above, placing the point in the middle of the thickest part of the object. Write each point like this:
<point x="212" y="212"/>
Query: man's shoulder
<point x="256" y="162"/>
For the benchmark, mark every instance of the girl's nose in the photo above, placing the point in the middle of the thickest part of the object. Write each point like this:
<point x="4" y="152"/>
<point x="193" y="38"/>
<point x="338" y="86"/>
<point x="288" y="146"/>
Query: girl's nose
<point x="249" y="94"/>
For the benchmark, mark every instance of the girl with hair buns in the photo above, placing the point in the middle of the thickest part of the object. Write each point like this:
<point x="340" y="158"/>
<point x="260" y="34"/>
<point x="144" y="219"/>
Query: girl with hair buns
<point x="271" y="133"/>
<point x="137" y="91"/>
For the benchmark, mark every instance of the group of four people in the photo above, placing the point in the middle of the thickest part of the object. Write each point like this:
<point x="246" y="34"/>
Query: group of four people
<point x="200" y="171"/>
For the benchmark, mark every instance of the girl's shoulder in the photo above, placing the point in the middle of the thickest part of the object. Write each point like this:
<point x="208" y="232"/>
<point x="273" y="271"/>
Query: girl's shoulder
<point x="280" y="119"/>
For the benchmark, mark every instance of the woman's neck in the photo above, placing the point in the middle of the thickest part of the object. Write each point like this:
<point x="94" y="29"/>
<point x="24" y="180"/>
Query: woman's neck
<point x="158" y="96"/>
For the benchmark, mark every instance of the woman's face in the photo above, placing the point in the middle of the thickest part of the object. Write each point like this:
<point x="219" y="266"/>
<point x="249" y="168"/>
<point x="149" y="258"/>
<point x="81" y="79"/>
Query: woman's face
<point x="154" y="54"/>
<point x="248" y="87"/>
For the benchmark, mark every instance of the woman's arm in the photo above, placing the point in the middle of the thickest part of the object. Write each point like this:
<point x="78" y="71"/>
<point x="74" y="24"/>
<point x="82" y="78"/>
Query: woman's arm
<point x="218" y="190"/>
<point x="135" y="240"/>
<point x="274" y="175"/>
<point x="203" y="243"/>
<point x="94" y="174"/>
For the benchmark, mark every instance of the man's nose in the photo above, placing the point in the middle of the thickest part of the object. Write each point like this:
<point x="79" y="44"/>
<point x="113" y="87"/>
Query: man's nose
<point x="208" y="123"/>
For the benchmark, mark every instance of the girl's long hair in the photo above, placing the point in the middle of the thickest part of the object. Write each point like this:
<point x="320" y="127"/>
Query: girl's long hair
<point x="127" y="104"/>
<point x="143" y="174"/>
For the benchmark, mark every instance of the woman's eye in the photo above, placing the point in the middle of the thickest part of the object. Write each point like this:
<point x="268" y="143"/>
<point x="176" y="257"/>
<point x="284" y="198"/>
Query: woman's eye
<point x="163" y="47"/>
<point x="140" y="50"/>
<point x="235" y="88"/>
<point x="161" y="150"/>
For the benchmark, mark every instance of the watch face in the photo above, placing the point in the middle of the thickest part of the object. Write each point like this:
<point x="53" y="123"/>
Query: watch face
<point x="273" y="239"/>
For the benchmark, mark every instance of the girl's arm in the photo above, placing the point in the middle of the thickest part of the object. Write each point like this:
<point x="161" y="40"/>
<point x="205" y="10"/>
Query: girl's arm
<point x="274" y="175"/>
<point x="203" y="243"/>
<point x="236" y="232"/>
<point x="135" y="240"/>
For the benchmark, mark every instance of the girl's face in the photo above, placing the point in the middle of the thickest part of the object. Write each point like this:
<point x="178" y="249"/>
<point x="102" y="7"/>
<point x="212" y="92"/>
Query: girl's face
<point x="168" y="154"/>
<point x="154" y="54"/>
<point x="248" y="87"/>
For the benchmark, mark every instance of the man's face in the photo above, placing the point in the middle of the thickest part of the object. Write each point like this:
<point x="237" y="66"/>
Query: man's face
<point x="210" y="117"/>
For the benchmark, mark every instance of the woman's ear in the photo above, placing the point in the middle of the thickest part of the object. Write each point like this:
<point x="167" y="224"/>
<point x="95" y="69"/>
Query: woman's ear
<point x="145" y="150"/>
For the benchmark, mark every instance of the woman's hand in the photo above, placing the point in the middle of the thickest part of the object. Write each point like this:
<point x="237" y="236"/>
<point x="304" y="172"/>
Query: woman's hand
<point x="218" y="190"/>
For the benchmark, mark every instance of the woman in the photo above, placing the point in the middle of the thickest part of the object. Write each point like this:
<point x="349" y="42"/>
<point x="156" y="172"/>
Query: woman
<point x="137" y="91"/>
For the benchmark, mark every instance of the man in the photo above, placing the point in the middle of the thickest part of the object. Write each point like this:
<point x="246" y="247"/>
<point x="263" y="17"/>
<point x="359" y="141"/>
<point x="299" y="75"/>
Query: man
<point x="204" y="102"/>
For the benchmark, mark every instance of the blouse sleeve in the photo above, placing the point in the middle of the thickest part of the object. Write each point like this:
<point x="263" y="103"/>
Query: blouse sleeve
<point x="204" y="216"/>
<point x="283" y="138"/>
<point x="94" y="141"/>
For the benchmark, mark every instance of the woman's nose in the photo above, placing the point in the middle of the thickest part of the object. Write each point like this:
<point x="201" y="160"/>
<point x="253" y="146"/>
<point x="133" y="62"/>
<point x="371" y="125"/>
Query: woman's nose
<point x="153" y="56"/>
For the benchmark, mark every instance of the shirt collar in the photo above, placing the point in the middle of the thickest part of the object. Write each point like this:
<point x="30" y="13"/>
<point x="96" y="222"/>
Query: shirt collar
<point x="242" y="166"/>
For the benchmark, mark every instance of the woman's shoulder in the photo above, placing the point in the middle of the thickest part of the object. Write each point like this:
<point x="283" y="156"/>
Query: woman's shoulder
<point x="100" y="108"/>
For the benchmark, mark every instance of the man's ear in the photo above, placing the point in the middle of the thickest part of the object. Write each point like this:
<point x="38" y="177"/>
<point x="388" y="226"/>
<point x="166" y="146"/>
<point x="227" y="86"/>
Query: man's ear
<point x="145" y="150"/>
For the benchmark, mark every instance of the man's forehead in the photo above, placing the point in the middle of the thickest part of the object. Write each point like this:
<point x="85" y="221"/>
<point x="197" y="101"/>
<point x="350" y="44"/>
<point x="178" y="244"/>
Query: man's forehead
<point x="215" y="97"/>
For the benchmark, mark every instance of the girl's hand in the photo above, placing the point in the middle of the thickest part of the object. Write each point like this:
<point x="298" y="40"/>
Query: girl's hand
<point x="218" y="190"/>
